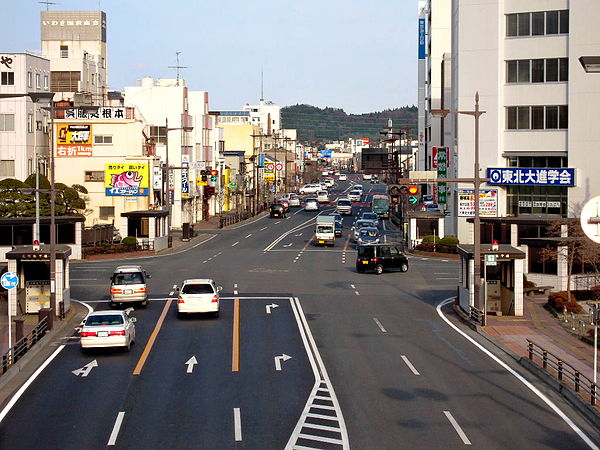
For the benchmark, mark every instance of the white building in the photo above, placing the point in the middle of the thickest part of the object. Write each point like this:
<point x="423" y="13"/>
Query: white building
<point x="23" y="124"/>
<point x="266" y="114"/>
<point x="539" y="133"/>
<point x="75" y="44"/>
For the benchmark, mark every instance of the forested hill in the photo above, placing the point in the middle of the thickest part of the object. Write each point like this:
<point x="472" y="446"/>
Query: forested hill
<point x="316" y="124"/>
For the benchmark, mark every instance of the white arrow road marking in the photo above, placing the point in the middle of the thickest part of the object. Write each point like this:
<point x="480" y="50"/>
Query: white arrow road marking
<point x="237" y="424"/>
<point x="299" y="234"/>
<point x="269" y="307"/>
<point x="278" y="360"/>
<point x="190" y="363"/>
<point x="288" y="245"/>
<point x="85" y="370"/>
<point x="409" y="364"/>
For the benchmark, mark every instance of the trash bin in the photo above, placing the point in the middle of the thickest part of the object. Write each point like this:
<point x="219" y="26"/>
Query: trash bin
<point x="186" y="232"/>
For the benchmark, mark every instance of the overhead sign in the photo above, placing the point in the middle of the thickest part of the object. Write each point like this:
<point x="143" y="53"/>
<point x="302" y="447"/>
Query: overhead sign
<point x="590" y="219"/>
<point x="488" y="202"/>
<point x="9" y="280"/>
<point x="126" y="179"/>
<point x="531" y="176"/>
<point x="73" y="140"/>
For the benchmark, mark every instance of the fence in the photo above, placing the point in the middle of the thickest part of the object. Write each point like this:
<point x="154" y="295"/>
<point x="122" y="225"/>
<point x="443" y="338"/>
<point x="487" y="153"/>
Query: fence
<point x="563" y="371"/>
<point x="23" y="345"/>
<point x="98" y="234"/>
<point x="232" y="217"/>
<point x="580" y="324"/>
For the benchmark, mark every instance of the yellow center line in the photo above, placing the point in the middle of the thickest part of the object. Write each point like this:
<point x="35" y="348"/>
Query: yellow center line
<point x="235" y="355"/>
<point x="146" y="352"/>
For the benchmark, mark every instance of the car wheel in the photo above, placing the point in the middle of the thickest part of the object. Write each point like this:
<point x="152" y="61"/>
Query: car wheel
<point x="144" y="303"/>
<point x="379" y="269"/>
<point x="404" y="267"/>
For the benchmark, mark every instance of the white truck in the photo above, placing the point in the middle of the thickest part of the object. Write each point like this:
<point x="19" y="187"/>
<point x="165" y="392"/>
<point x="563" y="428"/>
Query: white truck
<point x="325" y="231"/>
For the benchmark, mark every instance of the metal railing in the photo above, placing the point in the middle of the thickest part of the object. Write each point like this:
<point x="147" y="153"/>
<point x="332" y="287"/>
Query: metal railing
<point x="23" y="345"/>
<point x="475" y="314"/>
<point x="232" y="217"/>
<point x="563" y="371"/>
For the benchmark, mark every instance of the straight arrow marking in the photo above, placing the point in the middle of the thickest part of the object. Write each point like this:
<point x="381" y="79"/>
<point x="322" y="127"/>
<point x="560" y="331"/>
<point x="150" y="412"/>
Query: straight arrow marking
<point x="190" y="363"/>
<point x="278" y="360"/>
<point x="269" y="307"/>
<point x="85" y="370"/>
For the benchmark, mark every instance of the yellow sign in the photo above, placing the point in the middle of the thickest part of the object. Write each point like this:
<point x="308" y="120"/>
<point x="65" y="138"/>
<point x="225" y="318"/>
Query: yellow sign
<point x="126" y="179"/>
<point x="74" y="140"/>
<point x="199" y="182"/>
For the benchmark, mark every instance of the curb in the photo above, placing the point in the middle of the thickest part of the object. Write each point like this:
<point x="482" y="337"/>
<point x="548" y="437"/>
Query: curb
<point x="19" y="373"/>
<point x="590" y="412"/>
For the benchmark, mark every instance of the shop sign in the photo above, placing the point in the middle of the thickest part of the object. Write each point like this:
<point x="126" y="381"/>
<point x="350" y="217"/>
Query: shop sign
<point x="126" y="179"/>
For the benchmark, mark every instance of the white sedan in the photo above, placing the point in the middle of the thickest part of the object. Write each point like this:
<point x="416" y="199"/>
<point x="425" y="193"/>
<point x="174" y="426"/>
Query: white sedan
<point x="343" y="177"/>
<point x="311" y="204"/>
<point x="323" y="197"/>
<point x="198" y="295"/>
<point x="102" y="329"/>
<point x="355" y="196"/>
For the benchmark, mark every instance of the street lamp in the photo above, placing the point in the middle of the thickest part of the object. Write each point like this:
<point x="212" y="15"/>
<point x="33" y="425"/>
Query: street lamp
<point x="476" y="113"/>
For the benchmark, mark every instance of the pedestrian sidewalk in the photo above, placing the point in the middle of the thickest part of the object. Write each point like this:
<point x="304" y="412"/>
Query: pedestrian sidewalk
<point x="545" y="330"/>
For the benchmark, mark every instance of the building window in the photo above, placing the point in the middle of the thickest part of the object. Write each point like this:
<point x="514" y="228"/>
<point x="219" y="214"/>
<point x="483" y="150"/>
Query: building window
<point x="537" y="117"/>
<point x="106" y="212"/>
<point x="159" y="134"/>
<point x="7" y="168"/>
<point x="94" y="175"/>
<point x="38" y="81"/>
<point x="537" y="23"/>
<point x="46" y="82"/>
<point x="93" y="78"/>
<point x="29" y="80"/>
<point x="30" y="123"/>
<point x="537" y="70"/>
<point x="64" y="51"/>
<point x="7" y="79"/>
<point x="7" y="122"/>
<point x="105" y="139"/>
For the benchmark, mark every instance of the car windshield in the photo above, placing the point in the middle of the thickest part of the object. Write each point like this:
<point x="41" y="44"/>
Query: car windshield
<point x="322" y="192"/>
<point x="355" y="193"/>
<point x="324" y="229"/>
<point x="368" y="232"/>
<point x="311" y="200"/>
<point x="293" y="196"/>
<point x="344" y="202"/>
<point x="197" y="289"/>
<point x="370" y="216"/>
<point x="128" y="278"/>
<point x="104" y="319"/>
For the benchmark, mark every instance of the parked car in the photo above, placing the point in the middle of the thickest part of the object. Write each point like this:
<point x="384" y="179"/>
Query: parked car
<point x="294" y="200"/>
<point x="128" y="285"/>
<point x="355" y="195"/>
<point x="323" y="197"/>
<point x="343" y="177"/>
<point x="311" y="204"/>
<point x="277" y="210"/>
<point x="368" y="235"/>
<point x="380" y="257"/>
<point x="102" y="329"/>
<point x="310" y="189"/>
<point x="198" y="295"/>
<point x="343" y="206"/>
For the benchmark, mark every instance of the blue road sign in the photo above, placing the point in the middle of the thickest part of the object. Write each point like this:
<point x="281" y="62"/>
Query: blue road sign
<point x="9" y="280"/>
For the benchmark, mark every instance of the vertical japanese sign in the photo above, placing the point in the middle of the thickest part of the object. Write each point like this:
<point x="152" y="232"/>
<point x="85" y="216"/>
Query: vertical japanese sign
<point x="185" y="182"/>
<point x="73" y="140"/>
<point x="440" y="161"/>
<point x="126" y="179"/>
<point x="422" y="38"/>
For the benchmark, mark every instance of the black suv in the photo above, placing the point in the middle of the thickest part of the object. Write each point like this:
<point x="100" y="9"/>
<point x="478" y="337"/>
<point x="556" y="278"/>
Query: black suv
<point x="380" y="257"/>
<point x="277" y="210"/>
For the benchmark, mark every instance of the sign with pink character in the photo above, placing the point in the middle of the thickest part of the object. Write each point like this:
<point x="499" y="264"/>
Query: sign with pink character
<point x="126" y="179"/>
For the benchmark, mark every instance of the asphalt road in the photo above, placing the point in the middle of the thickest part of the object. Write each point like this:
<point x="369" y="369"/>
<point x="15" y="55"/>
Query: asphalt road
<point x="306" y="353"/>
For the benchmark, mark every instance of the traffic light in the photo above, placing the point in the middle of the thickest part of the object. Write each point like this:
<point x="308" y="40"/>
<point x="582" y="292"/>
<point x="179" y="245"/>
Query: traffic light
<point x="413" y="189"/>
<point x="209" y="190"/>
<point x="213" y="175"/>
<point x="204" y="174"/>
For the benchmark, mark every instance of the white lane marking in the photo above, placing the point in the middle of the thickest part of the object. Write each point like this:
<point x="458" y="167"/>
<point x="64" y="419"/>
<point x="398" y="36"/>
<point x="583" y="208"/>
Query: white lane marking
<point x="171" y="293"/>
<point x="235" y="243"/>
<point x="457" y="427"/>
<point x="263" y="228"/>
<point x="174" y="286"/>
<point x="299" y="211"/>
<point x="235" y="292"/>
<point x="90" y="309"/>
<point x="447" y="278"/>
<point x="31" y="379"/>
<point x="279" y="221"/>
<point x="293" y="230"/>
<point x="410" y="365"/>
<point x="442" y="273"/>
<point x="112" y="440"/>
<point x="357" y="293"/>
<point x="204" y="262"/>
<point x="444" y="260"/>
<point x="248" y="235"/>
<point x="289" y="245"/>
<point x="531" y="387"/>
<point x="237" y="424"/>
<point x="352" y="286"/>
<point x="376" y="320"/>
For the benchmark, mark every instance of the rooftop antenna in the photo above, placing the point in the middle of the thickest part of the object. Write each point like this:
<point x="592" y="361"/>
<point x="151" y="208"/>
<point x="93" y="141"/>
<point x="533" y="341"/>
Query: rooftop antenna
<point x="178" y="67"/>
<point x="47" y="3"/>
<point x="262" y="86"/>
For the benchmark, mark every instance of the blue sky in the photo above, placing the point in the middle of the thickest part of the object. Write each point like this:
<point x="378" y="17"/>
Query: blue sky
<point x="359" y="55"/>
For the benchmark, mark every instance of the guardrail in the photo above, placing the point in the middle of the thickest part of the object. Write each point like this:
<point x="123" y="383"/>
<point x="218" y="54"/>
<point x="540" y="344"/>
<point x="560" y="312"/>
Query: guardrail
<point x="563" y="371"/>
<point x="23" y="345"/>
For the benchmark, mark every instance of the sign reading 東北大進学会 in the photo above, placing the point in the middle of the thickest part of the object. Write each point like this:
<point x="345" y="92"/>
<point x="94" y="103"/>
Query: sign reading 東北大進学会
<point x="531" y="176"/>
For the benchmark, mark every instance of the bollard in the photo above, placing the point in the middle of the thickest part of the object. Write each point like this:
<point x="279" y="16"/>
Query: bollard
<point x="577" y="381"/>
<point x="19" y="329"/>
<point x="593" y="392"/>
<point x="545" y="359"/>
<point x="560" y="370"/>
<point x="48" y="313"/>
<point x="530" y="349"/>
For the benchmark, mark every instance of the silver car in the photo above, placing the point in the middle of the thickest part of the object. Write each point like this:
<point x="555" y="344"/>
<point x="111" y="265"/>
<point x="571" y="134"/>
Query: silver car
<point x="355" y="196"/>
<point x="128" y="285"/>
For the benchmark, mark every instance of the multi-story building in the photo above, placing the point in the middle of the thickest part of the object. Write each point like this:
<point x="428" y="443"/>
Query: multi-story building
<point x="267" y="115"/>
<point x="75" y="44"/>
<point x="23" y="122"/>
<point x="538" y="133"/>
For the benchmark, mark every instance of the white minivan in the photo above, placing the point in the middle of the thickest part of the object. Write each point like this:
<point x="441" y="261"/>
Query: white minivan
<point x="198" y="295"/>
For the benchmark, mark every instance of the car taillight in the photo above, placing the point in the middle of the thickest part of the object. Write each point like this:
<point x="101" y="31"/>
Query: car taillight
<point x="215" y="299"/>
<point x="116" y="291"/>
<point x="117" y="333"/>
<point x="88" y="333"/>
<point x="140" y="291"/>
<point x="180" y="300"/>
<point x="357" y="259"/>
<point x="374" y="259"/>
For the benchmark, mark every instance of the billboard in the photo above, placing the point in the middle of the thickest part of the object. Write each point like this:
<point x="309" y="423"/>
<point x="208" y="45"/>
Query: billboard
<point x="73" y="140"/>
<point x="126" y="179"/>
<point x="531" y="176"/>
<point x="488" y="202"/>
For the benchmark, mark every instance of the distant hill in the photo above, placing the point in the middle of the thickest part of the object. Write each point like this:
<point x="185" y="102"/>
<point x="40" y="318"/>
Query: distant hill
<point x="316" y="124"/>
